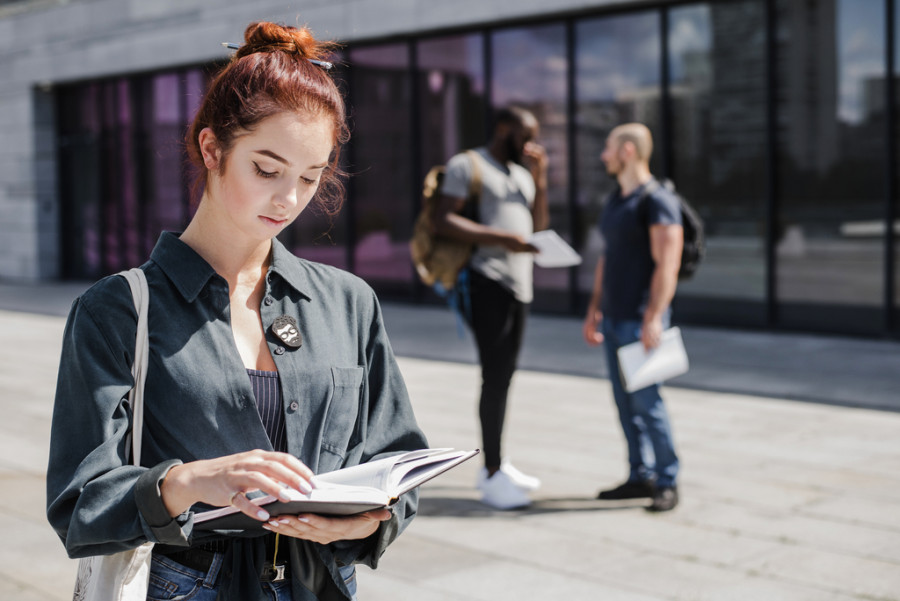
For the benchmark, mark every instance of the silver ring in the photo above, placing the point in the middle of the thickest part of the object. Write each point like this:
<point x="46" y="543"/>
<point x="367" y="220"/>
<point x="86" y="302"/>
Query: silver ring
<point x="233" y="495"/>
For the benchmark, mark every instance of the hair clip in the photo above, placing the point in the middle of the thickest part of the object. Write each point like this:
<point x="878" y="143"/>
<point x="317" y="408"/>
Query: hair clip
<point x="324" y="64"/>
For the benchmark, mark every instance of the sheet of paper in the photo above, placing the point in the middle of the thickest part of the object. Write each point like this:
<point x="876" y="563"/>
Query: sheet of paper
<point x="554" y="251"/>
<point x="641" y="369"/>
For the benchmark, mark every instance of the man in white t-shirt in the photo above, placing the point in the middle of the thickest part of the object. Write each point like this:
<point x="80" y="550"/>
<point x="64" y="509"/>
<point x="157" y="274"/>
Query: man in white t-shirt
<point x="512" y="206"/>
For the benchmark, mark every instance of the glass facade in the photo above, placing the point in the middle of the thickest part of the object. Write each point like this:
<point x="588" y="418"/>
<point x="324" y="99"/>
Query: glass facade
<point x="780" y="127"/>
<point x="452" y="100"/>
<point x="717" y="151"/>
<point x="122" y="167"/>
<point x="528" y="67"/>
<point x="381" y="157"/>
<point x="831" y="172"/>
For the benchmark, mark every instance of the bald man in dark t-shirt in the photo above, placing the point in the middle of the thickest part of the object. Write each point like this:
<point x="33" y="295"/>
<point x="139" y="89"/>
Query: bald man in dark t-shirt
<point x="634" y="283"/>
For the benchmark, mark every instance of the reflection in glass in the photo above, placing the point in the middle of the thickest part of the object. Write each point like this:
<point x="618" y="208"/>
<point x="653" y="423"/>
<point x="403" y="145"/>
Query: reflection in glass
<point x="717" y="66"/>
<point x="122" y="160"/>
<point x="617" y="66"/>
<point x="529" y="70"/>
<point x="450" y="80"/>
<point x="831" y="168"/>
<point x="381" y="167"/>
<point x="79" y="162"/>
<point x="166" y="155"/>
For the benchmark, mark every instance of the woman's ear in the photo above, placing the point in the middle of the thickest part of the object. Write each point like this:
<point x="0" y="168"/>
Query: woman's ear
<point x="209" y="148"/>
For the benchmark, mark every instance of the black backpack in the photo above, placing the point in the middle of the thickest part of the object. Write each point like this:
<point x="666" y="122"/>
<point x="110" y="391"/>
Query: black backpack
<point x="694" y="238"/>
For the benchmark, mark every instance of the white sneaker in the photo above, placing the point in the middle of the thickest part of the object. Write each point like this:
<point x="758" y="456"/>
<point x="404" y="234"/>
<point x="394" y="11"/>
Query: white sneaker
<point x="521" y="480"/>
<point x="500" y="492"/>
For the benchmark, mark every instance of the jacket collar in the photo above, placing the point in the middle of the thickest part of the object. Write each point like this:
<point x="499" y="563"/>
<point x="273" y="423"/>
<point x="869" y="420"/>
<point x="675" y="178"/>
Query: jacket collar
<point x="182" y="265"/>
<point x="190" y="272"/>
<point x="290" y="268"/>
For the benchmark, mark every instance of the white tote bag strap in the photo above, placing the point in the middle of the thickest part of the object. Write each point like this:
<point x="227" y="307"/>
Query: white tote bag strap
<point x="141" y="294"/>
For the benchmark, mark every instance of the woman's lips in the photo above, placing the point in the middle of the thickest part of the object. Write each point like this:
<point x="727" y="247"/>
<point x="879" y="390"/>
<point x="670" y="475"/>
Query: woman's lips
<point x="273" y="221"/>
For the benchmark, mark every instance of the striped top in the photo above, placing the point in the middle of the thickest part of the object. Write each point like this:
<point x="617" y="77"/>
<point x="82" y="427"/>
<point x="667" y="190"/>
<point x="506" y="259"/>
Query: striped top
<point x="269" y="403"/>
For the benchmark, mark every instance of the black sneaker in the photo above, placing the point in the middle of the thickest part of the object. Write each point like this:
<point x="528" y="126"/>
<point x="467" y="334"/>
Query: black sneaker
<point x="629" y="490"/>
<point x="664" y="499"/>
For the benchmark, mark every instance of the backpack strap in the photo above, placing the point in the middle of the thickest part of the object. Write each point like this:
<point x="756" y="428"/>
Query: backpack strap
<point x="141" y="295"/>
<point x="649" y="188"/>
<point x="475" y="182"/>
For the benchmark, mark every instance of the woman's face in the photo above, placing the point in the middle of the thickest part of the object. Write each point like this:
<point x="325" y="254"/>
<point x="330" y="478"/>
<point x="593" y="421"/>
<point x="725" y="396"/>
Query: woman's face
<point x="270" y="174"/>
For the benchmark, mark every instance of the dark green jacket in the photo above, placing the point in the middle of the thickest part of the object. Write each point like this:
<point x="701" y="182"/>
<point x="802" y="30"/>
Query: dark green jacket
<point x="345" y="403"/>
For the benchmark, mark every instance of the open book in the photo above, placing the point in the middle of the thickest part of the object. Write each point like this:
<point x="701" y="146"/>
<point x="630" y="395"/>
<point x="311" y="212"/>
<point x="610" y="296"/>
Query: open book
<point x="348" y="491"/>
<point x="640" y="369"/>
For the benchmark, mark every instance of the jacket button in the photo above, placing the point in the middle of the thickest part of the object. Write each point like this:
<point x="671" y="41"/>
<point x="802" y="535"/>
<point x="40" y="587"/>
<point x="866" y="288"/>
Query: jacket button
<point x="268" y="300"/>
<point x="279" y="350"/>
<point x="295" y="405"/>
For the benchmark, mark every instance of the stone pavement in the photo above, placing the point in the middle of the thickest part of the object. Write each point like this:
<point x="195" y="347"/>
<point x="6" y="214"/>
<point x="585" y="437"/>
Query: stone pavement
<point x="790" y="483"/>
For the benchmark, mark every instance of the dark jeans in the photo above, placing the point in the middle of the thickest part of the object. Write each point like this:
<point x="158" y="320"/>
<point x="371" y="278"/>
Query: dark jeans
<point x="171" y="580"/>
<point x="645" y="421"/>
<point x="497" y="321"/>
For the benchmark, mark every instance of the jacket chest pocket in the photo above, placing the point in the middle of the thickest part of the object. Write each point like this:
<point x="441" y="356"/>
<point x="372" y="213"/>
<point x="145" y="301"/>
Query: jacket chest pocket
<point x="343" y="411"/>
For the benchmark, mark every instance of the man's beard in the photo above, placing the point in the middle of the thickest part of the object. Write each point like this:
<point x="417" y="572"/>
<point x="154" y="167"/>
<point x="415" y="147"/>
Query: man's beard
<point x="513" y="151"/>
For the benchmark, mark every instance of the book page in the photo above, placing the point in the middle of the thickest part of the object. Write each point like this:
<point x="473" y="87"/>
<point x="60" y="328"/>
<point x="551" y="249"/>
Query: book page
<point x="381" y="472"/>
<point x="411" y="474"/>
<point x="373" y="474"/>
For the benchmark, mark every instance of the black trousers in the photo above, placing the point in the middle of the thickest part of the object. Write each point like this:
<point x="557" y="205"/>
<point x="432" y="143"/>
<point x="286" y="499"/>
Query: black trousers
<point x="497" y="321"/>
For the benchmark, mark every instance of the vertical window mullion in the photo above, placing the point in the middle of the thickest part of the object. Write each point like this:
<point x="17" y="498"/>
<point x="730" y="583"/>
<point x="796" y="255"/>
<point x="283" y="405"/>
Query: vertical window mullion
<point x="415" y="156"/>
<point x="488" y="83"/>
<point x="665" y="99"/>
<point x="572" y="167"/>
<point x="771" y="163"/>
<point x="890" y="170"/>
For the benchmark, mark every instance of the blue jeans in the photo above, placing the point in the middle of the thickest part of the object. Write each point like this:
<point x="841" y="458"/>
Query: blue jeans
<point x="170" y="581"/>
<point x="645" y="422"/>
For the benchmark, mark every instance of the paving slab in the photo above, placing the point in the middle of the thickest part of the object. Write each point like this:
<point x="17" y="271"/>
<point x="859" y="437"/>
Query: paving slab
<point x="781" y="499"/>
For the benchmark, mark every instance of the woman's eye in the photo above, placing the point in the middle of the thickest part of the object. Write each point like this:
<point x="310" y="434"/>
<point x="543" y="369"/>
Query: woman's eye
<point x="308" y="181"/>
<point x="266" y="174"/>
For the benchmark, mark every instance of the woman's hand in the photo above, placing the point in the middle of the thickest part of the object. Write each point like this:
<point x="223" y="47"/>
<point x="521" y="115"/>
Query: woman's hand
<point x="221" y="482"/>
<point x="323" y="529"/>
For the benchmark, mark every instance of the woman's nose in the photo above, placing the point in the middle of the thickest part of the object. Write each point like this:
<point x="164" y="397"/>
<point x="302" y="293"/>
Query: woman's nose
<point x="287" y="198"/>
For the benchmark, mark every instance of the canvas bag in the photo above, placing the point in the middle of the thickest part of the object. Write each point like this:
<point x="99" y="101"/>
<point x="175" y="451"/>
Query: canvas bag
<point x="124" y="576"/>
<point x="439" y="259"/>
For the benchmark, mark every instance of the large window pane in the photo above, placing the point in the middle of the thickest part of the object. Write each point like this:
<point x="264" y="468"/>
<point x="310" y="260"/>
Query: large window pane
<point x="717" y="66"/>
<point x="79" y="160"/>
<point x="529" y="70"/>
<point x="122" y="168"/>
<point x="381" y="163"/>
<point x="617" y="67"/>
<point x="830" y="245"/>
<point x="167" y="204"/>
<point x="450" y="79"/>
